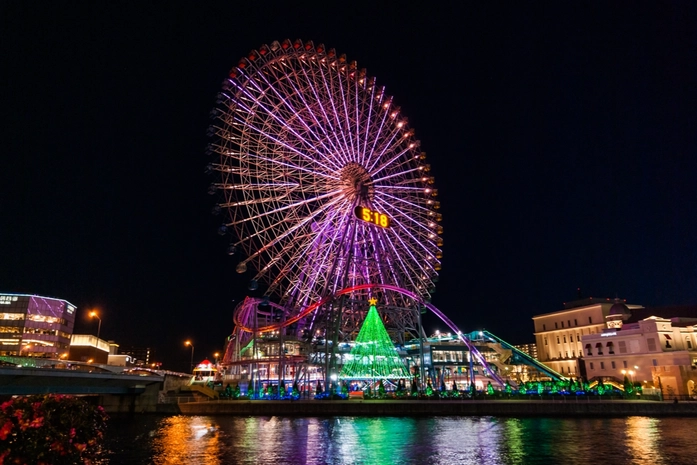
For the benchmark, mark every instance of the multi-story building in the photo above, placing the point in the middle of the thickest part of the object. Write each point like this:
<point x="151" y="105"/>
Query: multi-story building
<point x="35" y="326"/>
<point x="654" y="346"/>
<point x="558" y="334"/>
<point x="530" y="349"/>
<point x="142" y="356"/>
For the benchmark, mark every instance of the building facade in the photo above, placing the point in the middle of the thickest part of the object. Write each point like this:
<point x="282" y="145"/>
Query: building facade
<point x="558" y="334"/>
<point x="655" y="347"/>
<point x="35" y="326"/>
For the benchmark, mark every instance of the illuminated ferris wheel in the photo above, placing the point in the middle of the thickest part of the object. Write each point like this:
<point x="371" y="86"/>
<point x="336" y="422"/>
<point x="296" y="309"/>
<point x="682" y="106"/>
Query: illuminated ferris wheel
<point x="323" y="184"/>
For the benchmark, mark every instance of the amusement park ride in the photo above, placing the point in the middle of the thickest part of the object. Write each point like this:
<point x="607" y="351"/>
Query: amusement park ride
<point x="330" y="201"/>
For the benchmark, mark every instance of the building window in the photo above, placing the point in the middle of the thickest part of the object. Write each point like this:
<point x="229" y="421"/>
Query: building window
<point x="602" y="365"/>
<point x="688" y="342"/>
<point x="558" y="340"/>
<point x="588" y="349"/>
<point x="610" y="348"/>
<point x="575" y="322"/>
<point x="545" y="341"/>
<point x="623" y="349"/>
<point x="599" y="346"/>
<point x="567" y="354"/>
<point x="655" y="363"/>
<point x="569" y="321"/>
<point x="559" y="354"/>
<point x="591" y="365"/>
<point x="564" y="339"/>
<point x="562" y="324"/>
<point x="651" y="343"/>
<point x="556" y="325"/>
<point x="624" y="363"/>
<point x="573" y="353"/>
<point x="544" y="327"/>
<point x="613" y="365"/>
<point x="571" y="338"/>
<point x="667" y="342"/>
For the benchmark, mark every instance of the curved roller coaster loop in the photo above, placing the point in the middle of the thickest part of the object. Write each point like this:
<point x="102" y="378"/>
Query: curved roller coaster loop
<point x="243" y="309"/>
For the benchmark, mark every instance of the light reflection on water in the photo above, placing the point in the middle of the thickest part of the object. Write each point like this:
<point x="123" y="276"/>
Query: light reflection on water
<point x="391" y="440"/>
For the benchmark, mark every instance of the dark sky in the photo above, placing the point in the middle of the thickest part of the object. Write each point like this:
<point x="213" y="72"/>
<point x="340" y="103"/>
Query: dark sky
<point x="562" y="137"/>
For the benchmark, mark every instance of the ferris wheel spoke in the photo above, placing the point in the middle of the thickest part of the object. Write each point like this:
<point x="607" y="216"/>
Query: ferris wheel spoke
<point x="286" y="207"/>
<point x="376" y="239"/>
<point x="368" y="121"/>
<point x="344" y="100"/>
<point x="285" y="125"/>
<point x="314" y="243"/>
<point x="408" y="265"/>
<point x="429" y="211"/>
<point x="429" y="235"/>
<point x="392" y="141"/>
<point x="397" y="174"/>
<point x="396" y="257"/>
<point x="291" y="230"/>
<point x="378" y="136"/>
<point x="295" y="166"/>
<point x="334" y="113"/>
<point x="416" y="242"/>
<point x="339" y="149"/>
<point x="287" y="102"/>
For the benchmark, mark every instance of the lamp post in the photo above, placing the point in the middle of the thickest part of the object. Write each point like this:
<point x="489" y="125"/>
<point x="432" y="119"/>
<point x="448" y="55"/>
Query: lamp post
<point x="93" y="314"/>
<point x="188" y="343"/>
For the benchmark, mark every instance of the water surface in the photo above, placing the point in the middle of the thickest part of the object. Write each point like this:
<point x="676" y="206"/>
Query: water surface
<point x="390" y="440"/>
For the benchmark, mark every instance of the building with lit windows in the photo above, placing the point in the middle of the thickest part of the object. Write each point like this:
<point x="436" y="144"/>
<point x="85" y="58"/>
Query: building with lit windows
<point x="530" y="349"/>
<point x="142" y="356"/>
<point x="558" y="334"/>
<point x="654" y="346"/>
<point x="35" y="326"/>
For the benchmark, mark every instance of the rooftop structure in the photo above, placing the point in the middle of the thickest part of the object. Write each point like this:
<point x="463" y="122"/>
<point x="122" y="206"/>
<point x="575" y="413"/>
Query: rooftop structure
<point x="35" y="326"/>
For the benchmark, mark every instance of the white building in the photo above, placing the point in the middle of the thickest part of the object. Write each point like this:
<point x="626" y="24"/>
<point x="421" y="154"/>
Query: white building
<point x="646" y="345"/>
<point x="558" y="334"/>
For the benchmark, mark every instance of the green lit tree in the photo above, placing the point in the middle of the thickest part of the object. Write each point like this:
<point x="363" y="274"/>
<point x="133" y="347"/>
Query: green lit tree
<point x="373" y="355"/>
<point x="429" y="388"/>
<point x="295" y="393"/>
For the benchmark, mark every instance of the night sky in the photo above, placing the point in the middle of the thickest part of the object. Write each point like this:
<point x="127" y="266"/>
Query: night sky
<point x="562" y="137"/>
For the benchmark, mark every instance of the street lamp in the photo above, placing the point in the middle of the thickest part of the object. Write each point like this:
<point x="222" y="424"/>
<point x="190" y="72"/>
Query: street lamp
<point x="216" y="355"/>
<point x="93" y="314"/>
<point x="188" y="343"/>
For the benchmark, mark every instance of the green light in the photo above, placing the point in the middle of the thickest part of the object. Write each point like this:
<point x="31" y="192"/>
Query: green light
<point x="373" y="356"/>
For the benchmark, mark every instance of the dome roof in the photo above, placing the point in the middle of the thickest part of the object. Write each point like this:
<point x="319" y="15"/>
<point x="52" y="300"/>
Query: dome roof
<point x="619" y="308"/>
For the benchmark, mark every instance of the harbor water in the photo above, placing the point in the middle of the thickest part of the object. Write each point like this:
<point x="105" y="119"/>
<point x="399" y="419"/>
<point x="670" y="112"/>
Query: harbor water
<point x="212" y="440"/>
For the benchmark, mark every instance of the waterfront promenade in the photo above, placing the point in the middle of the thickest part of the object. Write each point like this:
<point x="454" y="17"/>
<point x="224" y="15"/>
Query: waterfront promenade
<point x="516" y="408"/>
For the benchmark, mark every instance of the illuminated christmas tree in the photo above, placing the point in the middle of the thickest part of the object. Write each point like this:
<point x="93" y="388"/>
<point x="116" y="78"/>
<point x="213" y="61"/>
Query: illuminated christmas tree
<point x="374" y="355"/>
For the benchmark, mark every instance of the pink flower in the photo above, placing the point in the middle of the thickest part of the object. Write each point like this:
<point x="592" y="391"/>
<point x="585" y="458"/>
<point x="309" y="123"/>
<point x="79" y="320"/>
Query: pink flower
<point x="5" y="430"/>
<point x="72" y="433"/>
<point x="5" y="405"/>
<point x="37" y="422"/>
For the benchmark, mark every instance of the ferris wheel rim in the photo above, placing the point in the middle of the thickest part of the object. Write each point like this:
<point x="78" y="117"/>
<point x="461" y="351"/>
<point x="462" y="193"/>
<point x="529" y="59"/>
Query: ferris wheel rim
<point x="408" y="268"/>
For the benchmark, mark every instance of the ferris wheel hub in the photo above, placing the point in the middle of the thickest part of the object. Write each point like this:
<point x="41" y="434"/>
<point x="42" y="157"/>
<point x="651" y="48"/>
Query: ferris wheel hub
<point x="356" y="182"/>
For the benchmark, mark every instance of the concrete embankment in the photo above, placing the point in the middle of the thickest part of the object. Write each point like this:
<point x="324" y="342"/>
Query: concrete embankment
<point x="513" y="408"/>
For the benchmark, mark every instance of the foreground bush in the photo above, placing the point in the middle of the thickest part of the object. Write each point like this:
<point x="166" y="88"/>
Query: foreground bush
<point x="50" y="429"/>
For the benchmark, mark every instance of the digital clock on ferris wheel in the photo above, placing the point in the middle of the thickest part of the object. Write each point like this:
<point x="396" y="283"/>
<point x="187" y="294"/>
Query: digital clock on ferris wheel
<point x="371" y="216"/>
